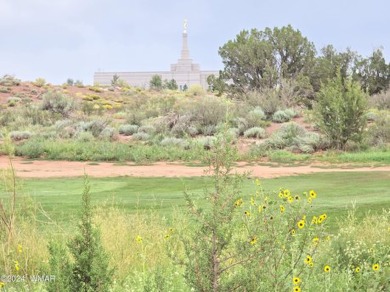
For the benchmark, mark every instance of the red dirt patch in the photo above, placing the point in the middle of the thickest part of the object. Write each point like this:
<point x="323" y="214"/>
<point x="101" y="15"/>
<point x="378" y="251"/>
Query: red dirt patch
<point x="47" y="169"/>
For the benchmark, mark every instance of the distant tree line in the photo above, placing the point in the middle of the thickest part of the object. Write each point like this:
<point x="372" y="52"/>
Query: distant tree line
<point x="260" y="60"/>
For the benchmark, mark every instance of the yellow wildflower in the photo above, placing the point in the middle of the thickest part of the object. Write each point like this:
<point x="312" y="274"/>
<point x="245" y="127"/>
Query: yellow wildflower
<point x="20" y="248"/>
<point x="313" y="194"/>
<point x="238" y="202"/>
<point x="282" y="209"/>
<point x="290" y="199"/>
<point x="296" y="280"/>
<point x="138" y="239"/>
<point x="17" y="268"/>
<point x="308" y="260"/>
<point x="253" y="240"/>
<point x="316" y="240"/>
<point x="357" y="270"/>
<point x="326" y="269"/>
<point x="301" y="224"/>
<point x="297" y="289"/>
<point x="247" y="213"/>
<point x="376" y="267"/>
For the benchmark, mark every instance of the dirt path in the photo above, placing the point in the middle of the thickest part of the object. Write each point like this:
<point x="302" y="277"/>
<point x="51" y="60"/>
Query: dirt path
<point x="47" y="169"/>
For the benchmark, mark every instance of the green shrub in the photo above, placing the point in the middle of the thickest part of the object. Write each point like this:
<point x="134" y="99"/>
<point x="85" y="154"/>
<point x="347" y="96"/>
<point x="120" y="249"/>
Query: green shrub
<point x="207" y="111"/>
<point x="147" y="129"/>
<point x="341" y="111"/>
<point x="268" y="100"/>
<point x="108" y="133"/>
<point x="380" y="100"/>
<point x="20" y="135"/>
<point x="142" y="136"/>
<point x="255" y="132"/>
<point x="13" y="100"/>
<point x="85" y="136"/>
<point x="128" y="130"/>
<point x="281" y="117"/>
<point x="295" y="138"/>
<point x="172" y="141"/>
<point x="208" y="130"/>
<point x="9" y="80"/>
<point x="255" y="117"/>
<point x="39" y="82"/>
<point x="379" y="133"/>
<point x="195" y="90"/>
<point x="90" y="270"/>
<point x="206" y="142"/>
<point x="57" y="102"/>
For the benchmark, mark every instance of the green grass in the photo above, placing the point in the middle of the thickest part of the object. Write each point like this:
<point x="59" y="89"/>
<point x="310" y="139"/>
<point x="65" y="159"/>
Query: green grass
<point x="60" y="198"/>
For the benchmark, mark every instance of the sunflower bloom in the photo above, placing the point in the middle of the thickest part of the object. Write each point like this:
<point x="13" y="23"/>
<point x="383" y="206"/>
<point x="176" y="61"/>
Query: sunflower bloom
<point x="357" y="270"/>
<point x="313" y="194"/>
<point x="282" y="209"/>
<point x="286" y="193"/>
<point x="247" y="213"/>
<point x="308" y="260"/>
<point x="2" y="284"/>
<point x="290" y="199"/>
<point x="326" y="269"/>
<point x="238" y="203"/>
<point x="293" y="232"/>
<point x="253" y="240"/>
<point x="297" y="289"/>
<point x="314" y="220"/>
<point x="376" y="267"/>
<point x="280" y="195"/>
<point x="138" y="239"/>
<point x="296" y="280"/>
<point x="301" y="224"/>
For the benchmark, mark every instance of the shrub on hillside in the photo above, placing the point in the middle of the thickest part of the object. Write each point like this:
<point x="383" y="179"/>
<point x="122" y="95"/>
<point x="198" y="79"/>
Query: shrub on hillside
<point x="147" y="129"/>
<point x="195" y="90"/>
<point x="20" y="135"/>
<point x="380" y="100"/>
<point x="95" y="127"/>
<point x="108" y="133"/>
<point x="172" y="141"/>
<point x="294" y="137"/>
<point x="39" y="82"/>
<point x="341" y="111"/>
<point x="57" y="102"/>
<point x="255" y="132"/>
<point x="9" y="80"/>
<point x="128" y="130"/>
<point x="379" y="133"/>
<point x="142" y="136"/>
<point x="268" y="100"/>
<point x="282" y="116"/>
<point x="207" y="111"/>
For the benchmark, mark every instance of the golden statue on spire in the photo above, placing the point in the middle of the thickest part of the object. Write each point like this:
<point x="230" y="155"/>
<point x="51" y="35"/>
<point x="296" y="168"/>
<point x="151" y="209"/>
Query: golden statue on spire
<point x="185" y="25"/>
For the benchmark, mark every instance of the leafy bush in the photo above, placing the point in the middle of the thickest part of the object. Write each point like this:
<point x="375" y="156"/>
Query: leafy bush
<point x="268" y="100"/>
<point x="128" y="130"/>
<point x="255" y="132"/>
<point x="379" y="132"/>
<point x="172" y="141"/>
<point x="39" y="82"/>
<point x="95" y="127"/>
<point x="196" y="90"/>
<point x="207" y="111"/>
<point x="147" y="129"/>
<point x="295" y="138"/>
<point x="108" y="133"/>
<point x="380" y="100"/>
<point x="84" y="136"/>
<point x="281" y="117"/>
<point x="141" y="136"/>
<point x="57" y="102"/>
<point x="341" y="111"/>
<point x="206" y="142"/>
<point x="13" y="100"/>
<point x="9" y="80"/>
<point x="20" y="135"/>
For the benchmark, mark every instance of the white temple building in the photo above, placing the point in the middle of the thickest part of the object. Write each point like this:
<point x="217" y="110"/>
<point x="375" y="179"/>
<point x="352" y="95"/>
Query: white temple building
<point x="184" y="72"/>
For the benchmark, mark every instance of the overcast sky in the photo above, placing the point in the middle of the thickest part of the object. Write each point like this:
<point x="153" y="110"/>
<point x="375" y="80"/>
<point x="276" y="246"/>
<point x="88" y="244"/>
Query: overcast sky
<point x="60" y="39"/>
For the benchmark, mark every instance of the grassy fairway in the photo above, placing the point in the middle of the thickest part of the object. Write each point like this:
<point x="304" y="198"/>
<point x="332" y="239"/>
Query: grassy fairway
<point x="336" y="191"/>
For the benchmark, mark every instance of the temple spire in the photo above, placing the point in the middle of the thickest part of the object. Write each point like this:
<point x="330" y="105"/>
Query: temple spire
<point x="185" y="53"/>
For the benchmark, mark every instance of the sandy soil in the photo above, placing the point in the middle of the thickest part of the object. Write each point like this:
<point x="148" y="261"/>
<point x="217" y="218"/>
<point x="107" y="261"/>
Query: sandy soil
<point x="47" y="169"/>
